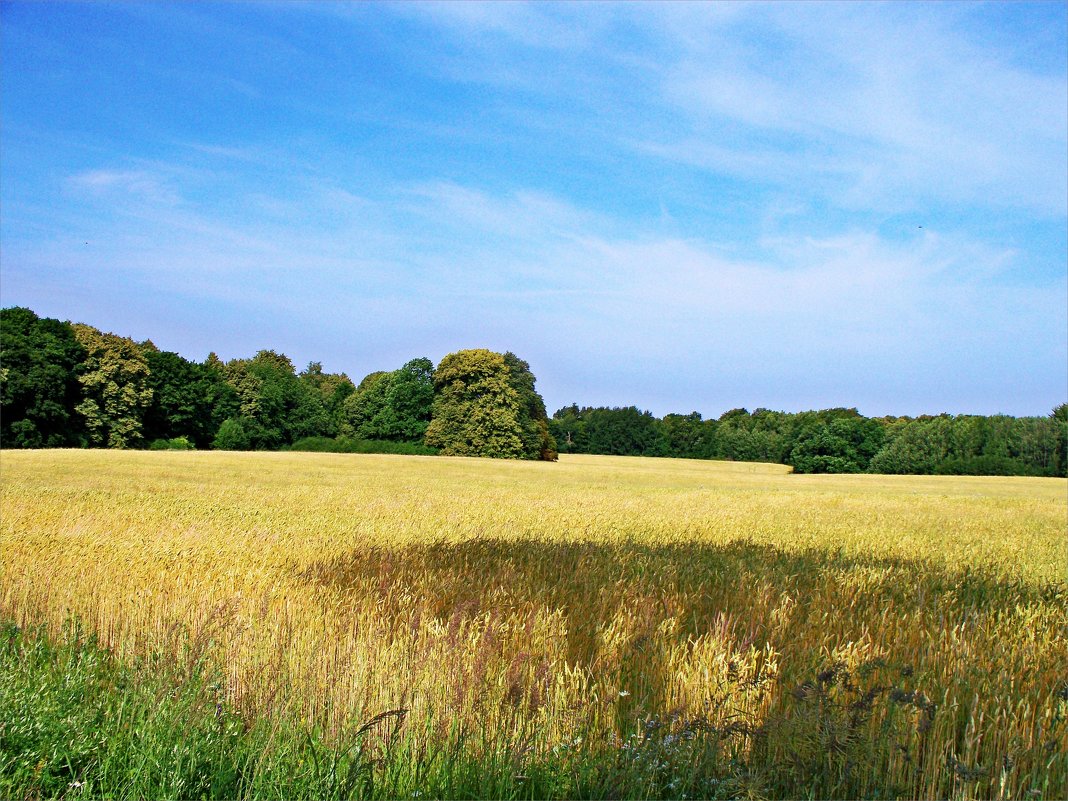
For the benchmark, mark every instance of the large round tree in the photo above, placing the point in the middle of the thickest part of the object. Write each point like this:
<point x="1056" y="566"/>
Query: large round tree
<point x="480" y="410"/>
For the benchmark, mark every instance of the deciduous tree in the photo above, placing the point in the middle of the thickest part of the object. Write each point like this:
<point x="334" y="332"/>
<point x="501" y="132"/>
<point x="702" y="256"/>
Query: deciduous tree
<point x="538" y="442"/>
<point x="410" y="399"/>
<point x="114" y="379"/>
<point x="476" y="409"/>
<point x="39" y="387"/>
<point x="188" y="399"/>
<point x="275" y="406"/>
<point x="333" y="389"/>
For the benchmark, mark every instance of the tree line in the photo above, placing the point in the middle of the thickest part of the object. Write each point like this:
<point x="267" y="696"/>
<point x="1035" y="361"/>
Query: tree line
<point x="71" y="385"/>
<point x="828" y="441"/>
<point x="66" y="385"/>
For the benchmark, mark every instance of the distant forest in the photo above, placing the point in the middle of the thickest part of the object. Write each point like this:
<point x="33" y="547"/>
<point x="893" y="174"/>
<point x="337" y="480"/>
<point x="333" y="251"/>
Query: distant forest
<point x="68" y="385"/>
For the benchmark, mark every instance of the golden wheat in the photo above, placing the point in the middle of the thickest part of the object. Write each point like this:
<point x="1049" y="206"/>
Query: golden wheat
<point x="544" y="602"/>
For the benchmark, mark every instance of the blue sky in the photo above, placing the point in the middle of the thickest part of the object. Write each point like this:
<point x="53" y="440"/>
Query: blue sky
<point x="681" y="207"/>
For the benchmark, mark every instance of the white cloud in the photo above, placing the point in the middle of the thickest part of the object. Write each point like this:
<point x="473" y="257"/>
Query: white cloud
<point x="871" y="106"/>
<point x="475" y="242"/>
<point x="519" y="215"/>
<point x="136" y="184"/>
<point x="879" y="107"/>
<point x="520" y="22"/>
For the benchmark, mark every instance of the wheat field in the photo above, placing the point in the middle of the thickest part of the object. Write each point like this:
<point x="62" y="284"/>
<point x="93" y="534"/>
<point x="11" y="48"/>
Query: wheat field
<point x="727" y="623"/>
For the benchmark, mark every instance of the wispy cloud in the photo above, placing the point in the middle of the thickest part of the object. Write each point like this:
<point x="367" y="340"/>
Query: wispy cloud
<point x="134" y="184"/>
<point x="879" y="108"/>
<point x="871" y="106"/>
<point x="523" y="23"/>
<point x="252" y="155"/>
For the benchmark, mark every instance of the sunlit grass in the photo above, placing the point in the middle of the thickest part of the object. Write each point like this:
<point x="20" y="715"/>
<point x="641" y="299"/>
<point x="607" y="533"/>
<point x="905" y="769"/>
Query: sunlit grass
<point x="850" y="635"/>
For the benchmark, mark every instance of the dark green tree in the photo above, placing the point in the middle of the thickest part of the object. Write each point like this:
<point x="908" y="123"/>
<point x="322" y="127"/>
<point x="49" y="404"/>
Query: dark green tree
<point x="757" y="437"/>
<point x="538" y="442"/>
<point x="1059" y="416"/>
<point x="625" y="431"/>
<point x="734" y="415"/>
<point x="39" y="388"/>
<point x="186" y="397"/>
<point x="684" y="435"/>
<point x="914" y="447"/>
<point x="223" y="400"/>
<point x="835" y="441"/>
<point x="275" y="406"/>
<point x="364" y="414"/>
<point x="392" y="406"/>
<point x="568" y="429"/>
<point x="1036" y="444"/>
<point x="410" y="400"/>
<point x="830" y="441"/>
<point x="333" y="389"/>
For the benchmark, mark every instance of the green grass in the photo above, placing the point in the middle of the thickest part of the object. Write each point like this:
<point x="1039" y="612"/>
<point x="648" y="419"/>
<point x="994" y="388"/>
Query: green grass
<point x="77" y="722"/>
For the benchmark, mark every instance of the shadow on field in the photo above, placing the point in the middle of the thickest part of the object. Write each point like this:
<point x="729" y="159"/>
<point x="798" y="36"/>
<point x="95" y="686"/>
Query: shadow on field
<point x="834" y="718"/>
<point x="742" y="590"/>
